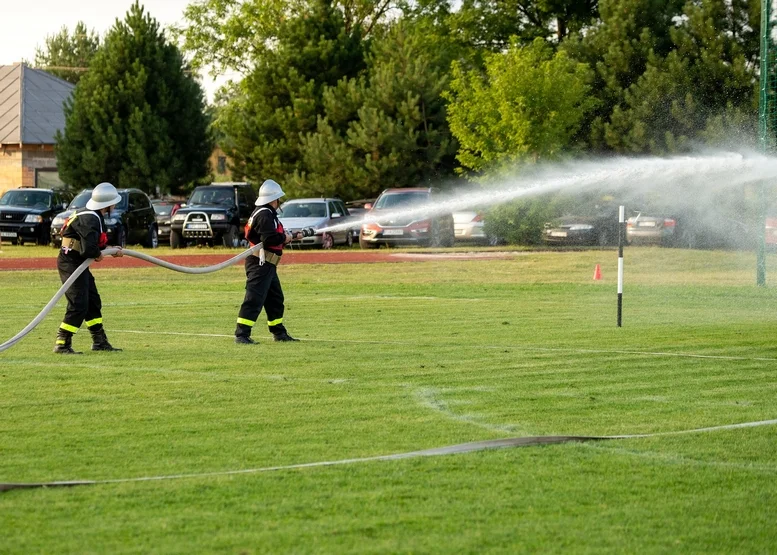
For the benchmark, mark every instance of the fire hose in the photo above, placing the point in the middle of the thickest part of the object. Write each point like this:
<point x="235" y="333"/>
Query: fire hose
<point x="142" y="256"/>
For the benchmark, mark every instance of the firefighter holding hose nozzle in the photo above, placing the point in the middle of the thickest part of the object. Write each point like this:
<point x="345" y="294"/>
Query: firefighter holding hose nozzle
<point x="263" y="288"/>
<point x="84" y="237"/>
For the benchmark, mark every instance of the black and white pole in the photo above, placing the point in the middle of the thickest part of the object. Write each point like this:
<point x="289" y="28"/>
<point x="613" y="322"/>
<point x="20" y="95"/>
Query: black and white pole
<point x="621" y="240"/>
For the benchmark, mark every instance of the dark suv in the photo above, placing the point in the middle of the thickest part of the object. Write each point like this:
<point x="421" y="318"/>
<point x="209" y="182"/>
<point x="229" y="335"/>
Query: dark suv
<point x="131" y="221"/>
<point x="26" y="214"/>
<point x="214" y="213"/>
<point x="407" y="217"/>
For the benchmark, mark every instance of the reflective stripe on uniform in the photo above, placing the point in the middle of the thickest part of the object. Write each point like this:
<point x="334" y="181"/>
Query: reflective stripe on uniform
<point x="274" y="322"/>
<point x="60" y="342"/>
<point x="90" y="323"/>
<point x="68" y="327"/>
<point x="249" y="323"/>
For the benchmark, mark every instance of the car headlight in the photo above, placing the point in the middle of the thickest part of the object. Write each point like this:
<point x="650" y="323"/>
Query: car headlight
<point x="580" y="227"/>
<point x="179" y="217"/>
<point x="218" y="217"/>
<point x="59" y="220"/>
<point x="33" y="219"/>
<point x="111" y="221"/>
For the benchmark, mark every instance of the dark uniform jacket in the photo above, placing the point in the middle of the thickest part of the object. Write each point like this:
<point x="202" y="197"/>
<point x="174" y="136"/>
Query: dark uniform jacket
<point x="87" y="226"/>
<point x="264" y="227"/>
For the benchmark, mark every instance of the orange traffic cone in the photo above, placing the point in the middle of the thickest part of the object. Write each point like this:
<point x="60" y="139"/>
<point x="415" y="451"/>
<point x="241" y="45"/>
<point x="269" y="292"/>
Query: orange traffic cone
<point x="597" y="273"/>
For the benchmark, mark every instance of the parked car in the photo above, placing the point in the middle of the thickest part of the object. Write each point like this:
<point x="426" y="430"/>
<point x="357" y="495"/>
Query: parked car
<point x="164" y="210"/>
<point x="390" y="225"/>
<point x="131" y="221"/>
<point x="26" y="214"/>
<point x="357" y="210"/>
<point x="213" y="214"/>
<point x="641" y="229"/>
<point x="600" y="229"/>
<point x="317" y="213"/>
<point x="469" y="225"/>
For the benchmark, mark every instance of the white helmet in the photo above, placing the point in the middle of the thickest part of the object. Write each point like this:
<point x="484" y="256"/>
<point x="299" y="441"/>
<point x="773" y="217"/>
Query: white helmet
<point x="103" y="196"/>
<point x="268" y="192"/>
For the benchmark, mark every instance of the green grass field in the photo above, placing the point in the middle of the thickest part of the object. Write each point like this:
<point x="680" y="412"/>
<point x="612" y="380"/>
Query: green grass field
<point x="398" y="358"/>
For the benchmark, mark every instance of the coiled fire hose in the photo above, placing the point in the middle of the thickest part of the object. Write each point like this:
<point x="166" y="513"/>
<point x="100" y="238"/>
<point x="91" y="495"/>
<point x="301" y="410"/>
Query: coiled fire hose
<point x="142" y="256"/>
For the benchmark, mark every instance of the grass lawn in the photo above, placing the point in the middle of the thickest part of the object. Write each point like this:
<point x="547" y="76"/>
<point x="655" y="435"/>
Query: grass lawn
<point x="398" y="358"/>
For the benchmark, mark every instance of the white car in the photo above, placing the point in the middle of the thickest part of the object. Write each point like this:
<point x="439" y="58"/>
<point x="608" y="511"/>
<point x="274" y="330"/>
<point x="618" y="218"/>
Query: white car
<point x="469" y="226"/>
<point x="317" y="213"/>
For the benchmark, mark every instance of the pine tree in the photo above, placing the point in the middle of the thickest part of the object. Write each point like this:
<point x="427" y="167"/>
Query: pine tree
<point x="281" y="99"/>
<point x="68" y="56"/>
<point x="387" y="128"/>
<point x="702" y="91"/>
<point x="137" y="118"/>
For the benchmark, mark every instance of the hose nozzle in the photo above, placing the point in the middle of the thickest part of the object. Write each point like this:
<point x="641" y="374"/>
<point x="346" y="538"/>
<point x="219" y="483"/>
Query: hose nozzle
<point x="307" y="231"/>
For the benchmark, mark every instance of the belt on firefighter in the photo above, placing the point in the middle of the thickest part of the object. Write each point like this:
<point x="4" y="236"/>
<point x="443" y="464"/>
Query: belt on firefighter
<point x="269" y="257"/>
<point x="69" y="244"/>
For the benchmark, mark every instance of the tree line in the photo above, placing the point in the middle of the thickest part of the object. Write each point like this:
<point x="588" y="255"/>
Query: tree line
<point x="347" y="97"/>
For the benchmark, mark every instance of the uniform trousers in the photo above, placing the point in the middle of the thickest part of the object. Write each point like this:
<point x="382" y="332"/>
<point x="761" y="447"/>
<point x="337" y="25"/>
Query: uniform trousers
<point x="263" y="290"/>
<point x="83" y="299"/>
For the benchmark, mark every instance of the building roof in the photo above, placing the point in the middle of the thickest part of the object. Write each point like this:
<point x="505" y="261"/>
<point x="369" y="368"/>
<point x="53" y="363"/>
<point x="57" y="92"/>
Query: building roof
<point x="31" y="105"/>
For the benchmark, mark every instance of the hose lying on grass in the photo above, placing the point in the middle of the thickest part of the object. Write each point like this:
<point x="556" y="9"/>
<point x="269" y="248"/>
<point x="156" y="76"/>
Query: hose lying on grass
<point x="109" y="251"/>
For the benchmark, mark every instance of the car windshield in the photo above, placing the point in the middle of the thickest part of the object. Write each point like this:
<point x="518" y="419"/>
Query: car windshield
<point x="83" y="197"/>
<point x="304" y="210"/>
<point x="212" y="196"/>
<point x="27" y="199"/>
<point x="80" y="200"/>
<point x="163" y="209"/>
<point x="392" y="201"/>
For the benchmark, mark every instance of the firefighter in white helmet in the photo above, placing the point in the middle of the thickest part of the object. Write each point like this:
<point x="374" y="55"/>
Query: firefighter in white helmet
<point x="84" y="237"/>
<point x="263" y="288"/>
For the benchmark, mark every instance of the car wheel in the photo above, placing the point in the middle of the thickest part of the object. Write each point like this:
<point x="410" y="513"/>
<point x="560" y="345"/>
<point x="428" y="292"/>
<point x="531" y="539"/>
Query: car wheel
<point x="152" y="241"/>
<point x="349" y="239"/>
<point x="230" y="238"/>
<point x="121" y="237"/>
<point x="366" y="244"/>
<point x="450" y="238"/>
<point x="603" y="239"/>
<point x="435" y="236"/>
<point x="176" y="241"/>
<point x="327" y="241"/>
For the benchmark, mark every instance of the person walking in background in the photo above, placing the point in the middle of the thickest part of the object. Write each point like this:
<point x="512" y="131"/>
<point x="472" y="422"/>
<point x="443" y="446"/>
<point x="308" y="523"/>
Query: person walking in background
<point x="84" y="237"/>
<point x="263" y="288"/>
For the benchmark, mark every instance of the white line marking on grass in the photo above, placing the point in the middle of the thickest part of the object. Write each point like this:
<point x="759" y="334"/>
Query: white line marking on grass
<point x="429" y="397"/>
<point x="448" y="450"/>
<point x="481" y="346"/>
<point x="677" y="459"/>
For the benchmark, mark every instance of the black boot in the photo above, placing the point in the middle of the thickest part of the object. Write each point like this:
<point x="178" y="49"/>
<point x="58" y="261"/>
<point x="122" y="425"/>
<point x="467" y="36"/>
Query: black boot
<point x="244" y="340"/>
<point x="64" y="343"/>
<point x="284" y="336"/>
<point x="243" y="335"/>
<point x="100" y="341"/>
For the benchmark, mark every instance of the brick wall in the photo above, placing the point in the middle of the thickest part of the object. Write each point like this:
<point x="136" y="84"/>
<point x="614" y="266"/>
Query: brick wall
<point x="10" y="167"/>
<point x="36" y="157"/>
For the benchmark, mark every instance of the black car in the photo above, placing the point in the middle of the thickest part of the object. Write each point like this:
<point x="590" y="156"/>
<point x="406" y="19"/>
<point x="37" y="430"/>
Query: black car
<point x="599" y="229"/>
<point x="213" y="214"/>
<point x="407" y="216"/>
<point x="26" y="214"/>
<point x="165" y="210"/>
<point x="131" y="221"/>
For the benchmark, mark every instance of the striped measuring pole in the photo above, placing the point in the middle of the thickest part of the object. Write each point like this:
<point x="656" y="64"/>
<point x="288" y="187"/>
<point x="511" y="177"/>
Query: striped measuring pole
<point x="621" y="240"/>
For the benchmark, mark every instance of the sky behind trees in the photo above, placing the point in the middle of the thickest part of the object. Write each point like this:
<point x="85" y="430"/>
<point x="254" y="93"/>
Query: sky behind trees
<point x="26" y="25"/>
